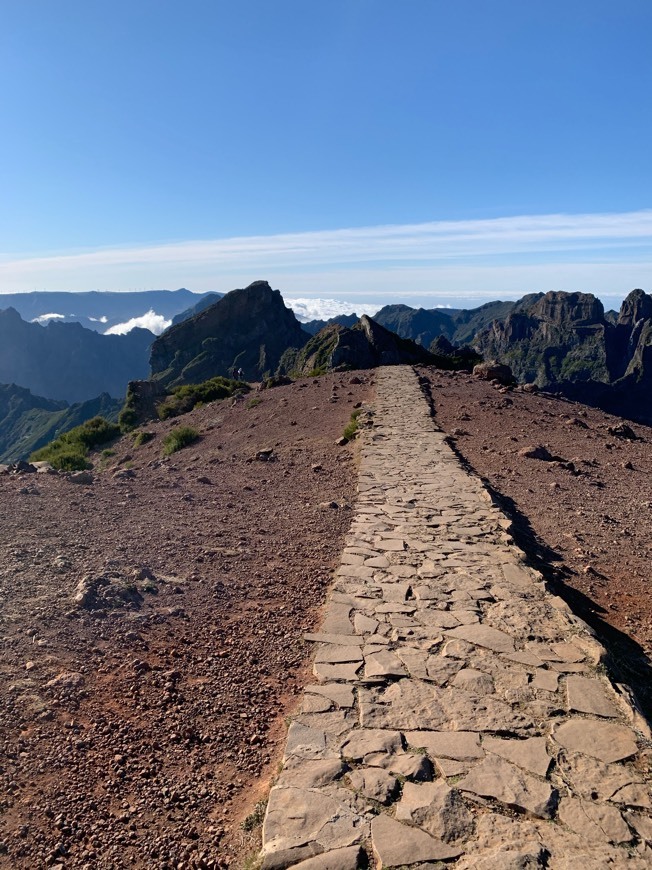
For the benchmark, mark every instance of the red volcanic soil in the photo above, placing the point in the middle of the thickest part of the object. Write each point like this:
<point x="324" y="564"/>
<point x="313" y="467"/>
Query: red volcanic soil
<point x="152" y="627"/>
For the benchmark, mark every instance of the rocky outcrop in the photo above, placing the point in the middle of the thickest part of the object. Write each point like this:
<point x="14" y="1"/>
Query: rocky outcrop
<point x="249" y="328"/>
<point x="364" y="346"/>
<point x="558" y="337"/>
<point x="419" y="324"/>
<point x="565" y="342"/>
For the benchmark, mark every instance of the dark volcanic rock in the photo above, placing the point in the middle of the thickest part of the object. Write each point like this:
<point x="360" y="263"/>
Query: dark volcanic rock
<point x="564" y="342"/>
<point x="559" y="337"/>
<point x="419" y="324"/>
<point x="250" y="328"/>
<point x="315" y="326"/>
<point x="365" y="346"/>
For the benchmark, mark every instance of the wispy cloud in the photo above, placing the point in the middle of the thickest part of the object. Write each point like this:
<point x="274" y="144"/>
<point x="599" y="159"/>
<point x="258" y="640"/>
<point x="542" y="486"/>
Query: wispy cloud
<point x="474" y="253"/>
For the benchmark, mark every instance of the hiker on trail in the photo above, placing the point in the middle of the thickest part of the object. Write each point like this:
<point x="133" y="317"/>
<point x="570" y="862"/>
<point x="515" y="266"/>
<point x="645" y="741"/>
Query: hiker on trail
<point x="240" y="374"/>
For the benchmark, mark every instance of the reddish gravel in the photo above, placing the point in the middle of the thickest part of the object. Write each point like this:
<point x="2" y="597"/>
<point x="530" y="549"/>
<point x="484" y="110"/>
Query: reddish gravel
<point x="174" y="676"/>
<point x="590" y="522"/>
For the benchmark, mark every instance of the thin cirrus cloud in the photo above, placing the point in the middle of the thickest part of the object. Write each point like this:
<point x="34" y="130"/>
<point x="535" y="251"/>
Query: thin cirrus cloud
<point x="462" y="252"/>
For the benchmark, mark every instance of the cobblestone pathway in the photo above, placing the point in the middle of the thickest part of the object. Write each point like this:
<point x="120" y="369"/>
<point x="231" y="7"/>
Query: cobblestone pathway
<point x="460" y="714"/>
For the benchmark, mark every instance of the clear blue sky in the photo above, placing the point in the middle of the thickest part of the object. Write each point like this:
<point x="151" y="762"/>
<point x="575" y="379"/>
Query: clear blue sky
<point x="132" y="125"/>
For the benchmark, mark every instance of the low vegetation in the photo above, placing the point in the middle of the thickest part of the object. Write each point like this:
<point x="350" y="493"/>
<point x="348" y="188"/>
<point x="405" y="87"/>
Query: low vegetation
<point x="70" y="451"/>
<point x="141" y="437"/>
<point x="351" y="428"/>
<point x="128" y="416"/>
<point x="179" y="438"/>
<point x="184" y="398"/>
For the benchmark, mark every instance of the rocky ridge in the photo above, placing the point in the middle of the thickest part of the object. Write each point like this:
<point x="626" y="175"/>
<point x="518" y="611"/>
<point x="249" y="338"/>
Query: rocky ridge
<point x="249" y="328"/>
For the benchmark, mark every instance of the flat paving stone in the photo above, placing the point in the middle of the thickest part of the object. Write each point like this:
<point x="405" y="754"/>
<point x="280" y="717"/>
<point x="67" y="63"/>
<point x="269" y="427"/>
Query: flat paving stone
<point x="606" y="741"/>
<point x="364" y="741"/>
<point x="383" y="664"/>
<point x="335" y="859"/>
<point x="396" y="844"/>
<point x="529" y="754"/>
<point x="588" y="695"/>
<point x="329" y="672"/>
<point x="440" y="662"/>
<point x="459" y="745"/>
<point x="374" y="783"/>
<point x="296" y="817"/>
<point x="436" y="808"/>
<point x="502" y="781"/>
<point x="485" y="636"/>
<point x="593" y="821"/>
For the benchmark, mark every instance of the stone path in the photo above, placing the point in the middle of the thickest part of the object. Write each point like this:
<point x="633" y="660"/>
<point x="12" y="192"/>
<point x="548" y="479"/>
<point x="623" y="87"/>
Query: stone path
<point x="461" y="714"/>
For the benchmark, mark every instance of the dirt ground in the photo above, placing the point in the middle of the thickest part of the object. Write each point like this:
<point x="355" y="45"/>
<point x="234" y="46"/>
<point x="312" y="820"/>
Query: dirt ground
<point x="152" y="623"/>
<point x="585" y="517"/>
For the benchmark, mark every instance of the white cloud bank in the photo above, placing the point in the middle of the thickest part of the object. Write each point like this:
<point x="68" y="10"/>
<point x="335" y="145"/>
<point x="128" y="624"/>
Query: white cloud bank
<point x="44" y="319"/>
<point x="607" y="253"/>
<point x="156" y="323"/>
<point x="323" y="309"/>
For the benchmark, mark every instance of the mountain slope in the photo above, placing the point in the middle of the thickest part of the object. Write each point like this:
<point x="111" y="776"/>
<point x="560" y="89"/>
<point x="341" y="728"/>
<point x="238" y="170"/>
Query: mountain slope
<point x="363" y="346"/>
<point x="250" y="328"/>
<point x="419" y="324"/>
<point x="28" y="422"/>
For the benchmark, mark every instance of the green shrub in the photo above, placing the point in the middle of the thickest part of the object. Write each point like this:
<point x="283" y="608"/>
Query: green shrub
<point x="142" y="437"/>
<point x="178" y="438"/>
<point x="351" y="428"/>
<point x="69" y="452"/>
<point x="186" y="397"/>
<point x="255" y="400"/>
<point x="128" y="418"/>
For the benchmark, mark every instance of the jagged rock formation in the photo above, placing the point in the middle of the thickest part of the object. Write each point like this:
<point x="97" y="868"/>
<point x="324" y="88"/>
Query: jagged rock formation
<point x="250" y="328"/>
<point x="419" y="324"/>
<point x="28" y="422"/>
<point x="205" y="302"/>
<point x="558" y="337"/>
<point x="564" y="342"/>
<point x="65" y="361"/>
<point x="364" y="346"/>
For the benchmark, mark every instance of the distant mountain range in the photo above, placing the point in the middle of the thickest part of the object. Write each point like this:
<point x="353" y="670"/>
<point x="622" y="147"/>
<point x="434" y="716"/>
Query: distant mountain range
<point x="65" y="361"/>
<point x="563" y="342"/>
<point x="99" y="310"/>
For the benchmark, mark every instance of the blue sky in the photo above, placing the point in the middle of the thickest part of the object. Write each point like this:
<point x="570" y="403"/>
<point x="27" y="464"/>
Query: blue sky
<point x="369" y="150"/>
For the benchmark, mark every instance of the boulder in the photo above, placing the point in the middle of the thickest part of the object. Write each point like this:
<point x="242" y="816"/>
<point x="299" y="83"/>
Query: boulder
<point x="494" y="371"/>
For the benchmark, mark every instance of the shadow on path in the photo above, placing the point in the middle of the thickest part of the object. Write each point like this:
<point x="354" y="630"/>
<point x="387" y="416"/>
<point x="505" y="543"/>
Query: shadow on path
<point x="626" y="661"/>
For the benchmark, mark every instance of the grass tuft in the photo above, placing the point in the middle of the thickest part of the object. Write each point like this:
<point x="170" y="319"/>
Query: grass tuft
<point x="351" y="428"/>
<point x="179" y="438"/>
